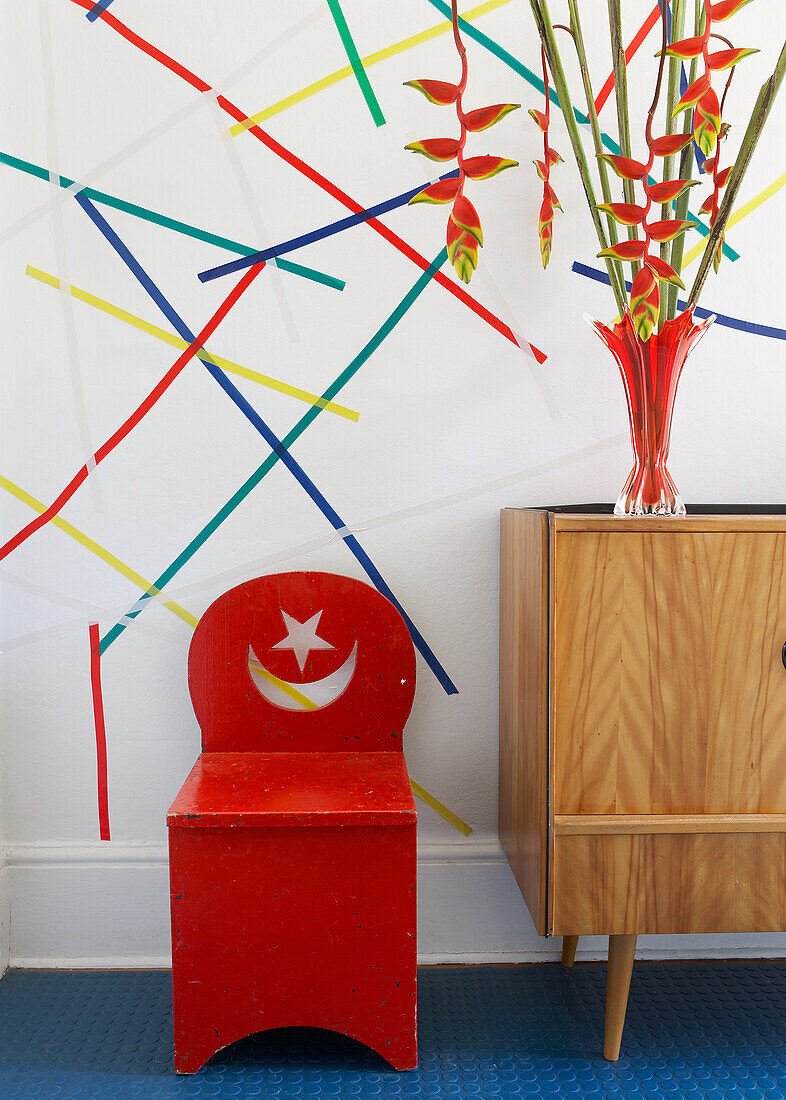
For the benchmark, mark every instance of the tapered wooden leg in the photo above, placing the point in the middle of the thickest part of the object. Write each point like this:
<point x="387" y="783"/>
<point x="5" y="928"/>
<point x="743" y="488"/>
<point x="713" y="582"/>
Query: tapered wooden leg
<point x="621" y="952"/>
<point x="569" y="945"/>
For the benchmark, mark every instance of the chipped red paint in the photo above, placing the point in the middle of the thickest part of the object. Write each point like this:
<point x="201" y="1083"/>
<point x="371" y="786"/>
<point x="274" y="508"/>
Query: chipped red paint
<point x="292" y="849"/>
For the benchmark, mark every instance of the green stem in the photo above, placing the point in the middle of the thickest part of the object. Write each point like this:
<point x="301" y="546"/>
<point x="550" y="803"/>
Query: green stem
<point x="672" y="95"/>
<point x="547" y="37"/>
<point x="761" y="110"/>
<point x="620" y="69"/>
<point x="592" y="114"/>
<point x="685" y="172"/>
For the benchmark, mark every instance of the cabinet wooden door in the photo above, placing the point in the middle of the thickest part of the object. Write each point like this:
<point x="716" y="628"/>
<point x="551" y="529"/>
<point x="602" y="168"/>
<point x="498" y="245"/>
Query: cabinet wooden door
<point x="668" y="687"/>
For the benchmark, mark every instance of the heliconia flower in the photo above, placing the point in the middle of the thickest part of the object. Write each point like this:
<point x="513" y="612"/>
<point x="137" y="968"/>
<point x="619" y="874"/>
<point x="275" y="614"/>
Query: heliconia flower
<point x="693" y="94"/>
<point x="540" y="118"/>
<point x="483" y="168"/>
<point x="466" y="261"/>
<point x="542" y="170"/>
<point x="709" y="163"/>
<point x="685" y="48"/>
<point x="437" y="91"/>
<point x="644" y="303"/>
<point x="669" y="189"/>
<point x="454" y="235"/>
<point x="465" y="215"/>
<point x="724" y="59"/>
<point x="545" y="221"/>
<point x="625" y="168"/>
<point x="707" y="205"/>
<point x="483" y="117"/>
<point x="670" y="143"/>
<point x="435" y="148"/>
<point x="706" y="121"/>
<point x="462" y="251"/>
<point x="722" y="10"/>
<point x="626" y="213"/>
<point x="669" y="229"/>
<point x="439" y="192"/>
<point x="663" y="271"/>
<point x="624" y="250"/>
<point x="553" y="156"/>
<point x="722" y="177"/>
<point x="552" y="195"/>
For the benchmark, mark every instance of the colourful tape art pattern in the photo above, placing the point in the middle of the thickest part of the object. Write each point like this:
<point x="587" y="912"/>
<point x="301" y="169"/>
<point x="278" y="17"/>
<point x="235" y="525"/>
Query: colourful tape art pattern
<point x="254" y="259"/>
<point x="354" y="60"/>
<point x="310" y="173"/>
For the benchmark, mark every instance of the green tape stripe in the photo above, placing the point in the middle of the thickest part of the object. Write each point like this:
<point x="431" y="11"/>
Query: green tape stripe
<point x="337" y="385"/>
<point x="536" y="82"/>
<point x="169" y="223"/>
<point x="308" y="273"/>
<point x="357" y="65"/>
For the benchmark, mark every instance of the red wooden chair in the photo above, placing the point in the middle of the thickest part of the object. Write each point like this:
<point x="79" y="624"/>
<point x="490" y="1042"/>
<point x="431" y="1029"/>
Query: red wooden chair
<point x="292" y="841"/>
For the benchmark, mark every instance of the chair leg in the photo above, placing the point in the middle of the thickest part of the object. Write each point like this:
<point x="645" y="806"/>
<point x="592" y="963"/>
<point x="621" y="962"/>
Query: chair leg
<point x="569" y="945"/>
<point x="621" y="952"/>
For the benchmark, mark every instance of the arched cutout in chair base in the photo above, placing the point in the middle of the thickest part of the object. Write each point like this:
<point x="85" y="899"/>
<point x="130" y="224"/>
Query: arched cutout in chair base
<point x="401" y="1056"/>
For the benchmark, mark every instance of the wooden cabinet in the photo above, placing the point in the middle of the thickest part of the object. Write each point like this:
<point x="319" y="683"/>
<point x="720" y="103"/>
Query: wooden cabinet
<point x="643" y="722"/>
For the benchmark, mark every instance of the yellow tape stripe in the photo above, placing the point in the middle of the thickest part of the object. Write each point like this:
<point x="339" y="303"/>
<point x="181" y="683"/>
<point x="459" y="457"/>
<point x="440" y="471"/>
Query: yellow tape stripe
<point x="440" y="807"/>
<point x="282" y="685"/>
<point x="738" y="215"/>
<point x="372" y="59"/>
<point x="95" y="548"/>
<point x="176" y="342"/>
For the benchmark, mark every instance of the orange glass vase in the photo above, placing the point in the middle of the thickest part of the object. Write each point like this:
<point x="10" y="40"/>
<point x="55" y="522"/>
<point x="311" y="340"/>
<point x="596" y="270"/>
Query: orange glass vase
<point x="650" y="372"/>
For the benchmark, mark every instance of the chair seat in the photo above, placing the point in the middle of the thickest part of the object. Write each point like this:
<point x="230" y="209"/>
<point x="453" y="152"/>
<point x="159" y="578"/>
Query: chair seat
<point x="264" y="789"/>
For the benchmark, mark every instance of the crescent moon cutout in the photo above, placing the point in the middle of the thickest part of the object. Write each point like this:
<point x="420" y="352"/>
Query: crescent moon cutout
<point x="312" y="695"/>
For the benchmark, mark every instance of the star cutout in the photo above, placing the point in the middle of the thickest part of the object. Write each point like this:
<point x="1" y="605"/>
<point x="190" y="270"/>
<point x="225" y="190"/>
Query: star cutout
<point x="302" y="637"/>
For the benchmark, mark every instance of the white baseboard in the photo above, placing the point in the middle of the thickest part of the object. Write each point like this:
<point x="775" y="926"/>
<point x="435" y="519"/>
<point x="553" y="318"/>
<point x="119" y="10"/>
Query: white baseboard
<point x="101" y="905"/>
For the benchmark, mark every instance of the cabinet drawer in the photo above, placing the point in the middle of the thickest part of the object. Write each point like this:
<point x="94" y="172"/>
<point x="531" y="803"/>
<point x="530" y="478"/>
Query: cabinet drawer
<point x="668" y="687"/>
<point x="662" y="882"/>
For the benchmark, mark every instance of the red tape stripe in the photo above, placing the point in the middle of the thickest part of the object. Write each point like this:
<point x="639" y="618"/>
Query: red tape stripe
<point x="132" y="421"/>
<point x="98" y="716"/>
<point x="310" y="173"/>
<point x="636" y="41"/>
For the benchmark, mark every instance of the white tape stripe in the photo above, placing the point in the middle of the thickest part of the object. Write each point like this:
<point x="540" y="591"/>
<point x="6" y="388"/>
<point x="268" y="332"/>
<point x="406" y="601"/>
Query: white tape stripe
<point x="163" y="127"/>
<point x="89" y="613"/>
<point x="61" y="258"/>
<point x="504" y="310"/>
<point x="255" y="214"/>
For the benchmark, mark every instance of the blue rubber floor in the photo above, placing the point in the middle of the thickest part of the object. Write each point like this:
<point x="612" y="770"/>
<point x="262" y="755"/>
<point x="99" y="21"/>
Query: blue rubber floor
<point x="692" y="1031"/>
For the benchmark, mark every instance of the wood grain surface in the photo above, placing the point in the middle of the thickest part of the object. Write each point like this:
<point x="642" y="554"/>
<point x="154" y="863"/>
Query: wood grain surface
<point x="701" y="882"/>
<point x="523" y="795"/>
<point x="669" y="688"/>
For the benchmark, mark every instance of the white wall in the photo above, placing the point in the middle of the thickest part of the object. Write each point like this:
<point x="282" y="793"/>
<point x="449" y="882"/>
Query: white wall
<point x="447" y="406"/>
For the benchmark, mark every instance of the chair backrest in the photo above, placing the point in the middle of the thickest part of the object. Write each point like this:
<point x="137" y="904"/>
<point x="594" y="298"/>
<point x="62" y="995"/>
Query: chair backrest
<point x="310" y="662"/>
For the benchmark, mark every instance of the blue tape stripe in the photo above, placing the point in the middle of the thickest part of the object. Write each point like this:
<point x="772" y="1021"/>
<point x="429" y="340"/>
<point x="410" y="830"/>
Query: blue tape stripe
<point x="316" y="234"/>
<point x="700" y="311"/>
<point x="277" y="446"/>
<point x="100" y="7"/>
